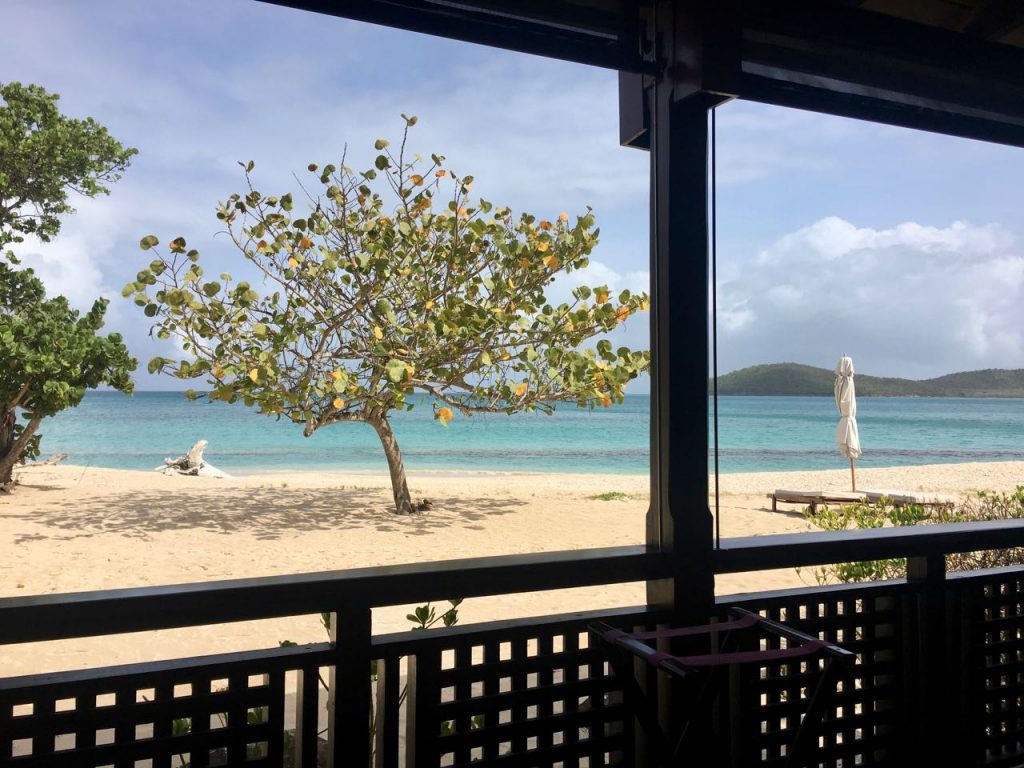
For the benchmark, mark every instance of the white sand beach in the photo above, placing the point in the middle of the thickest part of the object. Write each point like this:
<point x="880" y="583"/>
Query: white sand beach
<point x="69" y="529"/>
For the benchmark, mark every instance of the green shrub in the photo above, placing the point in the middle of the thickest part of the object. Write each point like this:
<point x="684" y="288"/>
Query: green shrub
<point x="984" y="505"/>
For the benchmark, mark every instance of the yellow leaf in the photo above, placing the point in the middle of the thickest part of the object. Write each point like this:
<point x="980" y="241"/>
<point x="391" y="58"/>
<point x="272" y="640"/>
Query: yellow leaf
<point x="542" y="246"/>
<point x="444" y="415"/>
<point x="644" y="305"/>
<point x="378" y="333"/>
<point x="305" y="242"/>
<point x="602" y="297"/>
<point x="621" y="314"/>
<point x="606" y="400"/>
<point x="506" y="356"/>
<point x="524" y="263"/>
<point x="335" y="375"/>
<point x="545" y="225"/>
<point x="411" y="369"/>
<point x="338" y="403"/>
<point x="261" y="245"/>
<point x="416" y="179"/>
<point x="429" y="304"/>
<point x="218" y="371"/>
<point x="551" y="262"/>
<point x="521" y="390"/>
<point x="441" y="173"/>
<point x="563" y="216"/>
<point x="293" y="262"/>
<point x="462" y="212"/>
<point x="254" y="374"/>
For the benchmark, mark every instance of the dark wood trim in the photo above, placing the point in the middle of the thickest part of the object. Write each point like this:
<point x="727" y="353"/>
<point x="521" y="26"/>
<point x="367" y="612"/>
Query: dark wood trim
<point x="575" y="33"/>
<point x="863" y="106"/>
<point x="314" y="653"/>
<point x="84" y="614"/>
<point x="995" y="18"/>
<point x="759" y="553"/>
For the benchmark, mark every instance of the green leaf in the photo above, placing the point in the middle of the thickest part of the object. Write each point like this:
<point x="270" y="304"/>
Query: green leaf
<point x="396" y="370"/>
<point x="149" y="241"/>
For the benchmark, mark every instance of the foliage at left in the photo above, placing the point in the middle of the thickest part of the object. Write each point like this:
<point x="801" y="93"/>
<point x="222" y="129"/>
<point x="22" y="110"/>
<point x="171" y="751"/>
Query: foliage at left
<point x="45" y="155"/>
<point x="50" y="353"/>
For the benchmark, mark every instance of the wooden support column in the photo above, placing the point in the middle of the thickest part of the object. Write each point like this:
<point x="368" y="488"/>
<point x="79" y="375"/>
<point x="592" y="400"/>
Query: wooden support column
<point x="679" y="520"/>
<point x="350" y="696"/>
<point x="930" y="703"/>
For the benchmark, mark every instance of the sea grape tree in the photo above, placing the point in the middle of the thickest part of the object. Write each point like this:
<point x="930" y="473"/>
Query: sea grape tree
<point x="50" y="354"/>
<point x="45" y="155"/>
<point x="390" y="286"/>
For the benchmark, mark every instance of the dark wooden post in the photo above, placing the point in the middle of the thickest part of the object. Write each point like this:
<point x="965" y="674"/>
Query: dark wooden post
<point x="422" y="726"/>
<point x="678" y="102"/>
<point x="679" y="520"/>
<point x="929" y="704"/>
<point x="350" y="698"/>
<point x="307" y="713"/>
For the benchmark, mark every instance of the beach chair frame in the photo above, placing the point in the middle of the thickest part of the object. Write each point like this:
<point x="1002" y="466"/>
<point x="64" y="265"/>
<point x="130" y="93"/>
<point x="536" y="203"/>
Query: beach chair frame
<point x="698" y="679"/>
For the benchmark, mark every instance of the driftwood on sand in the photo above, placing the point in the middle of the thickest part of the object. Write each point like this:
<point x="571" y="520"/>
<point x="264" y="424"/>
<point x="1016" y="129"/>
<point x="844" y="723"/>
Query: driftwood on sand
<point x="57" y="458"/>
<point x="192" y="463"/>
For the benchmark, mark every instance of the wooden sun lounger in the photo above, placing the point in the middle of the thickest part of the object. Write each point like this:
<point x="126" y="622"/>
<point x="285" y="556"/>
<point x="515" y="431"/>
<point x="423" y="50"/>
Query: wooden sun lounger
<point x="813" y="498"/>
<point x="897" y="498"/>
<point x="902" y="498"/>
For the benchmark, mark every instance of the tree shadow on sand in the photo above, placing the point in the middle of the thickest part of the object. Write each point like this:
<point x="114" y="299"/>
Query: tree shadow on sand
<point x="267" y="513"/>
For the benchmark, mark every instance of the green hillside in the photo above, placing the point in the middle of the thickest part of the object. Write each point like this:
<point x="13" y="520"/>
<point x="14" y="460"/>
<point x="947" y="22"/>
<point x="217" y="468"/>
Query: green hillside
<point x="796" y="379"/>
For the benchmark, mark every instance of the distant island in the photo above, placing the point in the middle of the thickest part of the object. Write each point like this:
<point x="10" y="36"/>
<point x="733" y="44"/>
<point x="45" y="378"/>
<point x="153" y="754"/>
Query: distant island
<point x="796" y="379"/>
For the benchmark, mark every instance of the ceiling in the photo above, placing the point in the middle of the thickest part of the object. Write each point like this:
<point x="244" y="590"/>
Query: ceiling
<point x="1000" y="21"/>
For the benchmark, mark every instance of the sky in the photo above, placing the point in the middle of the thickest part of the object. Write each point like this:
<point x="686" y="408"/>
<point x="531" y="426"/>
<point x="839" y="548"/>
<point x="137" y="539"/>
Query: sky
<point x="902" y="249"/>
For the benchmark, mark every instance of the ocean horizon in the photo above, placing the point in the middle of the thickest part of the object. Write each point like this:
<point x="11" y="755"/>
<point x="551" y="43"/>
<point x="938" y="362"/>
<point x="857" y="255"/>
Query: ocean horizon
<point x="756" y="434"/>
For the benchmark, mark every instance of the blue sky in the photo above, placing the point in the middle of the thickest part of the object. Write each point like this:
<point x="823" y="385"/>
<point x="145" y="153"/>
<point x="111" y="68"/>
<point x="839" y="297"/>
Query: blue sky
<point x="902" y="249"/>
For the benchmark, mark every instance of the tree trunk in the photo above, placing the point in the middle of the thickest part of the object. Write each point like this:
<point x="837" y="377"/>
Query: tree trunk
<point x="399" y="486"/>
<point x="7" y="419"/>
<point x="11" y="449"/>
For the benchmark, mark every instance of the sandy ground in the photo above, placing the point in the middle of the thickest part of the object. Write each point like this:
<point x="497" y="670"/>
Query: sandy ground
<point x="68" y="529"/>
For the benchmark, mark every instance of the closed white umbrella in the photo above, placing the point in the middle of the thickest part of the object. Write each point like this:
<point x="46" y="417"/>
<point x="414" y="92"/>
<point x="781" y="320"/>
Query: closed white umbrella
<point x="847" y="438"/>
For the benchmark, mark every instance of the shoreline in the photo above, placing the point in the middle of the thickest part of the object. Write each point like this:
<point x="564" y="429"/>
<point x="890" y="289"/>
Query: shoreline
<point x="256" y="473"/>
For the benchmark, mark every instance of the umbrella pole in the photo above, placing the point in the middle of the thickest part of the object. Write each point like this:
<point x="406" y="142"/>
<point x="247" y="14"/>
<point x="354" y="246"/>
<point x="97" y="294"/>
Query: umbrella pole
<point x="853" y="477"/>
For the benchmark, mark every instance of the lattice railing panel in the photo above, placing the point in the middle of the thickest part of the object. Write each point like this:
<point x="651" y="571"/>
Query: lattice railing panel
<point x="516" y="693"/>
<point x="860" y="725"/>
<point x="994" y="654"/>
<point x="217" y="710"/>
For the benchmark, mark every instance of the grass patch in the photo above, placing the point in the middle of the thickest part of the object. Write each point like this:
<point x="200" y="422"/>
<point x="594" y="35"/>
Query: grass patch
<point x="613" y="496"/>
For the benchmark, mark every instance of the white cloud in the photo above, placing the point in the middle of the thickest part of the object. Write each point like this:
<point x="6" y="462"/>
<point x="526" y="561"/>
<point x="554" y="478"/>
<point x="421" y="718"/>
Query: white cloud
<point x="912" y="299"/>
<point x="755" y="143"/>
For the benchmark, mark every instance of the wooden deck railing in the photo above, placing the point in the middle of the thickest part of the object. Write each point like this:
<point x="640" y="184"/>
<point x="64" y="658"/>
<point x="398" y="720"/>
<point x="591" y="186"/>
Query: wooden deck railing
<point x="940" y="665"/>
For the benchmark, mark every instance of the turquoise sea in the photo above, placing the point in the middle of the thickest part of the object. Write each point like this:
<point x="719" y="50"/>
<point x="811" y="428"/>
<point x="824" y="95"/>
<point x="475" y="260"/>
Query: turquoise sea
<point x="755" y="434"/>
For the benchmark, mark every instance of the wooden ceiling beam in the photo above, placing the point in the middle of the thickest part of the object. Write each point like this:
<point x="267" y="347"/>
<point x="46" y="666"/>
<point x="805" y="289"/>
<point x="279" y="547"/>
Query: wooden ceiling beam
<point x="995" y="19"/>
